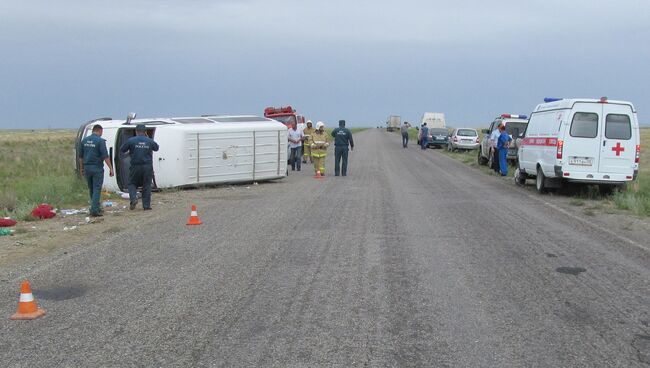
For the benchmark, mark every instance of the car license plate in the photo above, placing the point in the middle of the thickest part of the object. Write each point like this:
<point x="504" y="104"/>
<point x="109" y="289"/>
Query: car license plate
<point x="581" y="161"/>
<point x="465" y="140"/>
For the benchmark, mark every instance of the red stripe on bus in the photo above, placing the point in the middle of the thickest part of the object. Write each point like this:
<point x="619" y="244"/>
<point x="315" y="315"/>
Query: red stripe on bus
<point x="550" y="142"/>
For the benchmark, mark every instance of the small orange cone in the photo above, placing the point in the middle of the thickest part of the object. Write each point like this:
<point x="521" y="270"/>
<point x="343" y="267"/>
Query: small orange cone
<point x="27" y="308"/>
<point x="194" y="217"/>
<point x="318" y="175"/>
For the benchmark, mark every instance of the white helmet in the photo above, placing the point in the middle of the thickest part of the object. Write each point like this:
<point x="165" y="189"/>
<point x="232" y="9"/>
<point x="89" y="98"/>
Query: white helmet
<point x="319" y="124"/>
<point x="308" y="121"/>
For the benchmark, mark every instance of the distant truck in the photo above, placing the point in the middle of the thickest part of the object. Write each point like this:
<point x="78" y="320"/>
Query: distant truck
<point x="434" y="120"/>
<point x="393" y="123"/>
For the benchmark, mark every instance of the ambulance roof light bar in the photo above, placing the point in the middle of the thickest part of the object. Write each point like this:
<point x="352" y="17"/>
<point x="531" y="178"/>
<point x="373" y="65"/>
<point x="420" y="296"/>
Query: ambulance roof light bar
<point x="513" y="116"/>
<point x="552" y="99"/>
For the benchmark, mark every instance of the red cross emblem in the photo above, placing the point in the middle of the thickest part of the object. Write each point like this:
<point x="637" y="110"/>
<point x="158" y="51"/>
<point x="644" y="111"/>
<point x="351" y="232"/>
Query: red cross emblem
<point x="618" y="149"/>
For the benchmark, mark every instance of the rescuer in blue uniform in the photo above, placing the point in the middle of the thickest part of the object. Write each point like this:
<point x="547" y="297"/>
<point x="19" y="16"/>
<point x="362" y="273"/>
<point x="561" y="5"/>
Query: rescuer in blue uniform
<point x="424" y="136"/>
<point x="502" y="145"/>
<point x="140" y="148"/>
<point x="342" y="138"/>
<point x="92" y="155"/>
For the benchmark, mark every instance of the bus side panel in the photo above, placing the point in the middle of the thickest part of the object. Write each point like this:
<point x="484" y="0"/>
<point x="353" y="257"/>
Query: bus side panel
<point x="266" y="155"/>
<point x="225" y="157"/>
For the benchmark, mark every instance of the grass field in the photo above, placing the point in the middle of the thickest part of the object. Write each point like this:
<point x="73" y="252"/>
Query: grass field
<point x="38" y="167"/>
<point x="635" y="199"/>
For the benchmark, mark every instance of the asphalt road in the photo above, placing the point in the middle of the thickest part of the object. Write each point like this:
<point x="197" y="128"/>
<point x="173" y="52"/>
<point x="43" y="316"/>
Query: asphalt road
<point x="413" y="260"/>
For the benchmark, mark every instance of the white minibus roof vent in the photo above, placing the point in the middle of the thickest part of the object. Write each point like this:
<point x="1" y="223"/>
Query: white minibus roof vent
<point x="238" y="119"/>
<point x="194" y="121"/>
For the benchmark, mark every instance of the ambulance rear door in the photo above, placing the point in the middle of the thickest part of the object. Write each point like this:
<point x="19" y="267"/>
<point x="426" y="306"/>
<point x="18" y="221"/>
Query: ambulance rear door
<point x="581" y="149"/>
<point x="618" y="147"/>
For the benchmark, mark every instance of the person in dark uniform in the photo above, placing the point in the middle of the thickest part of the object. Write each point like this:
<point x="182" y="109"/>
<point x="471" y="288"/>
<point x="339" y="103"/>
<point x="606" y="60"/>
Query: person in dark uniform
<point x="140" y="148"/>
<point x="342" y="138"/>
<point x="92" y="151"/>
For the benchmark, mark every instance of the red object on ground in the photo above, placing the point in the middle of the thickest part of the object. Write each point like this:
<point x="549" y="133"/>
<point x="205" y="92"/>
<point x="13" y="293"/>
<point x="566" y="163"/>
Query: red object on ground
<point x="7" y="222"/>
<point x="43" y="211"/>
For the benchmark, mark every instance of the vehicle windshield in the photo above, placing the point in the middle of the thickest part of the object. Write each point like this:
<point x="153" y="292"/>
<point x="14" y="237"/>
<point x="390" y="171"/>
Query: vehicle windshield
<point x="515" y="128"/>
<point x="285" y="119"/>
<point x="467" y="133"/>
<point x="438" y="131"/>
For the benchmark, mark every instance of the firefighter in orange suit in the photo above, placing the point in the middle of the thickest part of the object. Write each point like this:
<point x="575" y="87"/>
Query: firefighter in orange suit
<point x="319" y="143"/>
<point x="306" y="152"/>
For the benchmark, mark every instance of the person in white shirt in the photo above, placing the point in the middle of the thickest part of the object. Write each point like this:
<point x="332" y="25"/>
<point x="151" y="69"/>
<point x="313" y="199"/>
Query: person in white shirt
<point x="494" y="137"/>
<point x="295" y="144"/>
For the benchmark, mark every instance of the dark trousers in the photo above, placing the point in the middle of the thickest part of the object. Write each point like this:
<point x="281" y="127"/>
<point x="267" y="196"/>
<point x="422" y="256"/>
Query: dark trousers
<point x="495" y="160"/>
<point x="295" y="157"/>
<point x="405" y="139"/>
<point x="340" y="154"/>
<point x="141" y="175"/>
<point x="424" y="142"/>
<point x="95" y="178"/>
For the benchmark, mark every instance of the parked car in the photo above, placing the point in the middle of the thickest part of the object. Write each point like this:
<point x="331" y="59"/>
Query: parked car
<point x="438" y="137"/>
<point x="515" y="127"/>
<point x="580" y="140"/>
<point x="463" y="138"/>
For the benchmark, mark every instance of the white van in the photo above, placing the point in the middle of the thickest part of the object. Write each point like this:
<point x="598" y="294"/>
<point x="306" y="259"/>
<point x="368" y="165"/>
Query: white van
<point x="580" y="140"/>
<point x="199" y="150"/>
<point x="434" y="119"/>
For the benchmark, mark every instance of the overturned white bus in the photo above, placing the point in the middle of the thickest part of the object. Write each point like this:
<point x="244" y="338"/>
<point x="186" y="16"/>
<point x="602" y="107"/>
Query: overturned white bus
<point x="198" y="150"/>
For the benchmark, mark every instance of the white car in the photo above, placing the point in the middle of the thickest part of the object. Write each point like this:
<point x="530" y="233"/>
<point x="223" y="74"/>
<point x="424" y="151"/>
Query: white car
<point x="580" y="140"/>
<point x="463" y="138"/>
<point x="515" y="127"/>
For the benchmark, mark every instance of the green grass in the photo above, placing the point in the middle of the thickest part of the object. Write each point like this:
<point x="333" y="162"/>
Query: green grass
<point x="637" y="197"/>
<point x="577" y="202"/>
<point x="38" y="167"/>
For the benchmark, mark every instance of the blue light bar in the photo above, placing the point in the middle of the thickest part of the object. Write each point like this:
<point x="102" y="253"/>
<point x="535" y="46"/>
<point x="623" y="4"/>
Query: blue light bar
<point x="551" y="99"/>
<point x="523" y="117"/>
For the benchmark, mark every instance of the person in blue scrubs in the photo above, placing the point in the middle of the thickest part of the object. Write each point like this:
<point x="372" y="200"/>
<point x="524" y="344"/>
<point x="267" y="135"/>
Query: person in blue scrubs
<point x="92" y="155"/>
<point x="141" y="149"/>
<point x="502" y="145"/>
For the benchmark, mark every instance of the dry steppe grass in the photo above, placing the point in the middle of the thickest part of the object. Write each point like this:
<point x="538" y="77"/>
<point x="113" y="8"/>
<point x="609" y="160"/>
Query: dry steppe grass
<point x="37" y="166"/>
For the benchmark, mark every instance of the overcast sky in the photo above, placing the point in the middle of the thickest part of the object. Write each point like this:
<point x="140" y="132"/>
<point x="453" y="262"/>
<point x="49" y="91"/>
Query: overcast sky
<point x="68" y="61"/>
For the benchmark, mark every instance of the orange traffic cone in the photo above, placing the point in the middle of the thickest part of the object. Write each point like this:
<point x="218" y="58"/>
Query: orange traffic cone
<point x="194" y="218"/>
<point x="318" y="175"/>
<point x="27" y="308"/>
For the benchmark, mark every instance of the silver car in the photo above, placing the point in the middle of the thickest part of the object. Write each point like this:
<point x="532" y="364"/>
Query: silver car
<point x="463" y="138"/>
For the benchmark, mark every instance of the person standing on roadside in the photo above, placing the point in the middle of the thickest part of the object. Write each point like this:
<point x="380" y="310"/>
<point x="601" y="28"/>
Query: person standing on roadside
<point x="494" y="137"/>
<point x="140" y="147"/>
<point x="503" y="143"/>
<point x="92" y="155"/>
<point x="307" y="133"/>
<point x="424" y="136"/>
<point x="342" y="138"/>
<point x="405" y="134"/>
<point x="319" y="144"/>
<point x="295" y="144"/>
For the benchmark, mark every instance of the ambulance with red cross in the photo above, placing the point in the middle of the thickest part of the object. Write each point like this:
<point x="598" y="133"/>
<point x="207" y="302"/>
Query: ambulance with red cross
<point x="593" y="141"/>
